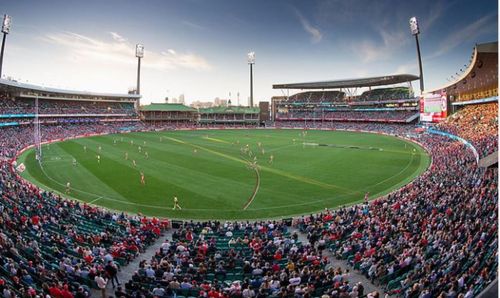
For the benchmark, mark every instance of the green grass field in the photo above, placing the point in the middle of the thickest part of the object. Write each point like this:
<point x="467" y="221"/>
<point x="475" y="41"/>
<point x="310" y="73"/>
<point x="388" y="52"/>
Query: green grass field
<point x="210" y="172"/>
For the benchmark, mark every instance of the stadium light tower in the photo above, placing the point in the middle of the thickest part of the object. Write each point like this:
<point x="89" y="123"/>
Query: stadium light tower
<point x="139" y="53"/>
<point x="251" y="62"/>
<point x="7" y="22"/>
<point x="415" y="30"/>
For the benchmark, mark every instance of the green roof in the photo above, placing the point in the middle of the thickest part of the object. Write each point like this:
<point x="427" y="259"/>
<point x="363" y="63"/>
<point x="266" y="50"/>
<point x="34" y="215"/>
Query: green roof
<point x="167" y="107"/>
<point x="230" y="110"/>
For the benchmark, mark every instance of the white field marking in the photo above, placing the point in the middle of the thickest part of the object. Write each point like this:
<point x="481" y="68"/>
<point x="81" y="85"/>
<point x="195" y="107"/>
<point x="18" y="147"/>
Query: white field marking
<point x="256" y="189"/>
<point x="95" y="200"/>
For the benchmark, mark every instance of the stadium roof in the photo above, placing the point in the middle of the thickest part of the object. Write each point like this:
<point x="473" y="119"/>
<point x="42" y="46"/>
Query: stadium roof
<point x="351" y="83"/>
<point x="230" y="110"/>
<point x="167" y="107"/>
<point x="16" y="84"/>
<point x="478" y="52"/>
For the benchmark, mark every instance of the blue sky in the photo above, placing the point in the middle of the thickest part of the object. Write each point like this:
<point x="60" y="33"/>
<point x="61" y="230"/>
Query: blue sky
<point x="198" y="47"/>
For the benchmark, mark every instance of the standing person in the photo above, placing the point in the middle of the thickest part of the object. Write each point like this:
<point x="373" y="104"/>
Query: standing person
<point x="133" y="162"/>
<point x="126" y="155"/>
<point x="101" y="283"/>
<point x="98" y="159"/>
<point x="85" y="149"/>
<point x="366" y="197"/>
<point x="146" y="154"/>
<point x="112" y="271"/>
<point x="74" y="162"/>
<point x="176" y="204"/>
<point x="143" y="179"/>
<point x="68" y="188"/>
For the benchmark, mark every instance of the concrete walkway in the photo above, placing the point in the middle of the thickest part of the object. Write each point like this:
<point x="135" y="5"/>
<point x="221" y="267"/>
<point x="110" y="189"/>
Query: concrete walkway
<point x="354" y="276"/>
<point x="125" y="273"/>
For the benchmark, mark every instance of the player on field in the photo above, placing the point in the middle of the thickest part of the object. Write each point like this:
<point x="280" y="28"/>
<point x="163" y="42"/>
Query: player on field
<point x="131" y="142"/>
<point x="161" y="139"/>
<point x="99" y="148"/>
<point x="367" y="196"/>
<point x="146" y="154"/>
<point x="114" y="142"/>
<point x="195" y="151"/>
<point x="68" y="188"/>
<point x="176" y="204"/>
<point x="74" y="162"/>
<point x="140" y="149"/>
<point x="85" y="149"/>
<point x="143" y="180"/>
<point x="98" y="159"/>
<point x="263" y="151"/>
<point x="126" y="155"/>
<point x="133" y="162"/>
<point x="271" y="158"/>
<point x="144" y="143"/>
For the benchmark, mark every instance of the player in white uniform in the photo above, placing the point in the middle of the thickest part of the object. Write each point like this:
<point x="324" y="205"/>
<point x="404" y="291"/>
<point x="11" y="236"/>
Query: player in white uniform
<point x="98" y="159"/>
<point x="176" y="204"/>
<point x="143" y="179"/>
<point x="74" y="162"/>
<point x="68" y="187"/>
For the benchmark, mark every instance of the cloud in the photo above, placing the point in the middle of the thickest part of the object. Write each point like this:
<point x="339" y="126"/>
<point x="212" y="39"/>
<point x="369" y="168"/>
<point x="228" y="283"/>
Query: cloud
<point x="119" y="51"/>
<point x="117" y="37"/>
<point x="193" y="25"/>
<point x="315" y="33"/>
<point x="390" y="42"/>
<point x="469" y="33"/>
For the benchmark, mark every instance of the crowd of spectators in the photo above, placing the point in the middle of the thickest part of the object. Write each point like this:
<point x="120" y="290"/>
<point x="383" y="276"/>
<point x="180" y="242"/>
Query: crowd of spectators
<point x="258" y="259"/>
<point x="477" y="124"/>
<point x="59" y="107"/>
<point x="436" y="237"/>
<point x="56" y="247"/>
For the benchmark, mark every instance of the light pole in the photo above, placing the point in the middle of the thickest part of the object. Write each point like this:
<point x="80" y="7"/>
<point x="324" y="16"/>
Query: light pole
<point x="7" y="22"/>
<point x="139" y="53"/>
<point x="415" y="30"/>
<point x="251" y="62"/>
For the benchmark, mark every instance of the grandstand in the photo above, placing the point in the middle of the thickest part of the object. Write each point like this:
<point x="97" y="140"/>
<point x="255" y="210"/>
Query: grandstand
<point x="167" y="112"/>
<point x="17" y="105"/>
<point x="393" y="104"/>
<point x="231" y="115"/>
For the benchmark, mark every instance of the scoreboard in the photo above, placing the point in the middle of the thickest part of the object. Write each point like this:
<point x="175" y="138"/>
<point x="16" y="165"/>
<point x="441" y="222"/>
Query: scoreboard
<point x="433" y="107"/>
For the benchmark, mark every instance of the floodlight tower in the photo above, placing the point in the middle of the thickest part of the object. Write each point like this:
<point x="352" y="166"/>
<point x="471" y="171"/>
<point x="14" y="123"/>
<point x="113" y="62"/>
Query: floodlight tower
<point x="251" y="62"/>
<point x="415" y="30"/>
<point x="7" y="22"/>
<point x="139" y="53"/>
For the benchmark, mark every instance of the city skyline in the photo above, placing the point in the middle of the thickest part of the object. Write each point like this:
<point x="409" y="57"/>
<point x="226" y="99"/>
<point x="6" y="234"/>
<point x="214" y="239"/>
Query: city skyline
<point x="198" y="48"/>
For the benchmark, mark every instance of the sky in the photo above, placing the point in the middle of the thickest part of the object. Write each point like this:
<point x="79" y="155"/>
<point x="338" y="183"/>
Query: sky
<point x="199" y="47"/>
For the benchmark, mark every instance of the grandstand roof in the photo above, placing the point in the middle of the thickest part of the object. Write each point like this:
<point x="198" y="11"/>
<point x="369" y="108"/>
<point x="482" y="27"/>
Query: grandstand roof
<point x="36" y="88"/>
<point x="478" y="51"/>
<point x="167" y="107"/>
<point x="230" y="110"/>
<point x="351" y="83"/>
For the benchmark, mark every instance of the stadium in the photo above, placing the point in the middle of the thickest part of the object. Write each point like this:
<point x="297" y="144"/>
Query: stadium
<point x="348" y="187"/>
